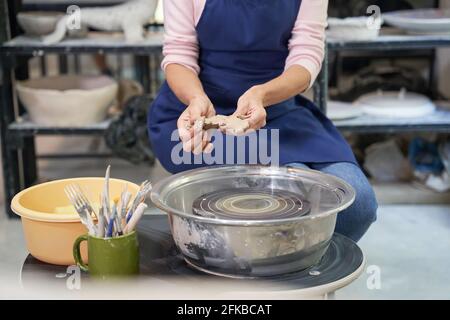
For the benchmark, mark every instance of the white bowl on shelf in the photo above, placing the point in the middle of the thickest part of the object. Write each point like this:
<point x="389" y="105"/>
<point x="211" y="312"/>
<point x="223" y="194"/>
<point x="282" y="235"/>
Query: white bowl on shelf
<point x="38" y="23"/>
<point x="67" y="101"/>
<point x="354" y="28"/>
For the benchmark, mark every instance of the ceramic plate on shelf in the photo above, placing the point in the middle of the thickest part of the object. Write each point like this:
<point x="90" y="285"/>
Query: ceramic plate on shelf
<point x="396" y="104"/>
<point x="420" y="21"/>
<point x="337" y="110"/>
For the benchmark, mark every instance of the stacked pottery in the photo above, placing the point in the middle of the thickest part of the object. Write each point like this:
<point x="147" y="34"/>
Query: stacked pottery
<point x="70" y="100"/>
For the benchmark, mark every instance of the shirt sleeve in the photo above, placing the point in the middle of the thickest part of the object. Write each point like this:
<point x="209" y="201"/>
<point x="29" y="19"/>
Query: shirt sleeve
<point x="307" y="44"/>
<point x="180" y="37"/>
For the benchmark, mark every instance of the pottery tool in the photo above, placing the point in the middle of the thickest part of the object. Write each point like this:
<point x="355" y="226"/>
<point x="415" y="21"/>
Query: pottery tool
<point x="144" y="189"/>
<point x="101" y="224"/>
<point x="112" y="227"/>
<point x="124" y="205"/>
<point x="111" y="220"/>
<point x="118" y="224"/>
<point x="103" y="221"/>
<point x="75" y="196"/>
<point x="85" y="202"/>
<point x="105" y="194"/>
<point x="117" y="218"/>
<point x="125" y="198"/>
<point x="137" y="215"/>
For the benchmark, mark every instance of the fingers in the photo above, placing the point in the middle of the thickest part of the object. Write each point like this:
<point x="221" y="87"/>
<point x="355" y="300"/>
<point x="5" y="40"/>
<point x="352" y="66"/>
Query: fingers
<point x="185" y="130"/>
<point x="195" y="140"/>
<point x="256" y="123"/>
<point x="200" y="142"/>
<point x="233" y="131"/>
<point x="257" y="118"/>
<point x="208" y="147"/>
<point x="211" y="111"/>
<point x="252" y="111"/>
<point x="190" y="125"/>
<point x="248" y="131"/>
<point x="195" y="114"/>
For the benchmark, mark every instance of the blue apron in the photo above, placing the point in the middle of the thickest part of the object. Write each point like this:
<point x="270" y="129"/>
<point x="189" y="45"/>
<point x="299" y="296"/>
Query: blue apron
<point x="244" y="43"/>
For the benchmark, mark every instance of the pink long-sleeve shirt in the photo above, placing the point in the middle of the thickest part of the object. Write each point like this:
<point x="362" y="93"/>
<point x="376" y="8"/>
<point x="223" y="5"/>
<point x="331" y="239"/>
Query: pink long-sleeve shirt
<point x="306" y="46"/>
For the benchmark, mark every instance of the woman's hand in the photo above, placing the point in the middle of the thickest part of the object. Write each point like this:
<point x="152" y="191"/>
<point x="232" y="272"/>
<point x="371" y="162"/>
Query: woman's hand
<point x="195" y="139"/>
<point x="251" y="107"/>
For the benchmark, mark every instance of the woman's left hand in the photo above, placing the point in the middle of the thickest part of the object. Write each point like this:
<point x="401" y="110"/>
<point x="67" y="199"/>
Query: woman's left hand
<point x="251" y="107"/>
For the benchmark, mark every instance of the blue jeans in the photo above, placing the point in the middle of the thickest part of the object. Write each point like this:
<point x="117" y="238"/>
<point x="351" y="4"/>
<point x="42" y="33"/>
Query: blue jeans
<point x="356" y="219"/>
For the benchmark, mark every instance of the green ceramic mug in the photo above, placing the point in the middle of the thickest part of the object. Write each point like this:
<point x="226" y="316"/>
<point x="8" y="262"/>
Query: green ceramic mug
<point x="109" y="257"/>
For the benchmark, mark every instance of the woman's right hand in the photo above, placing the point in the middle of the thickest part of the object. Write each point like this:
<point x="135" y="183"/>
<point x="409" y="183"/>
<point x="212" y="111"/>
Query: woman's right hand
<point x="194" y="139"/>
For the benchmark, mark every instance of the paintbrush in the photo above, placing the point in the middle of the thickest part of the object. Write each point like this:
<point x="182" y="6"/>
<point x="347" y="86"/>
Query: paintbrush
<point x="112" y="219"/>
<point x="117" y="218"/>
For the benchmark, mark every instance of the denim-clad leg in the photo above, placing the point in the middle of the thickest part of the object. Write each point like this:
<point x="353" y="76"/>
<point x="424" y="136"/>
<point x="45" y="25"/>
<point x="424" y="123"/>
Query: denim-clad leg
<point x="355" y="220"/>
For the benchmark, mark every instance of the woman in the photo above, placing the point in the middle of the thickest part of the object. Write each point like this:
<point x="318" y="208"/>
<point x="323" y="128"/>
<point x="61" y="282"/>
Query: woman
<point x="252" y="58"/>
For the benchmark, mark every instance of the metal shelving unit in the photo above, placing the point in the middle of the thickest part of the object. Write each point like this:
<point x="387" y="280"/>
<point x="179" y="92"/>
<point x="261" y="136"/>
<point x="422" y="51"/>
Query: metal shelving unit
<point x="99" y="43"/>
<point x="28" y="128"/>
<point x="437" y="122"/>
<point x="17" y="133"/>
<point x="392" y="42"/>
<point x="19" y="159"/>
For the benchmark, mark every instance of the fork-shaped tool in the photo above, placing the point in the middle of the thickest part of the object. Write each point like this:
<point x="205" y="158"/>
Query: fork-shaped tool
<point x="82" y="206"/>
<point x="144" y="189"/>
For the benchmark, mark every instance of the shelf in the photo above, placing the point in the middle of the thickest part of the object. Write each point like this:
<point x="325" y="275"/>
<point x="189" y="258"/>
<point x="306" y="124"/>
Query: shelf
<point x="392" y="42"/>
<point x="28" y="128"/>
<point x="96" y="42"/>
<point x="61" y="5"/>
<point x="439" y="121"/>
<point x="114" y="42"/>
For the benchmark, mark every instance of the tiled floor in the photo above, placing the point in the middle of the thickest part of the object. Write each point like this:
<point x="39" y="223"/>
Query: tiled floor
<point x="409" y="244"/>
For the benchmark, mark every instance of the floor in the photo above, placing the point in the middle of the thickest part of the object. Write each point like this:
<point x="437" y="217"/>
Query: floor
<point x="407" y="249"/>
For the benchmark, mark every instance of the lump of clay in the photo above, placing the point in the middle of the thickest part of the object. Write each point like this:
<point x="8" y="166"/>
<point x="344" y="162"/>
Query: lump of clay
<point x="232" y="124"/>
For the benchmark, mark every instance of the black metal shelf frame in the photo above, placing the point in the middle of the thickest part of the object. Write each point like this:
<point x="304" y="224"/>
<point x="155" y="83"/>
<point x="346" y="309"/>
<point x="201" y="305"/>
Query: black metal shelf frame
<point x="382" y="43"/>
<point x="17" y="137"/>
<point x="438" y="122"/>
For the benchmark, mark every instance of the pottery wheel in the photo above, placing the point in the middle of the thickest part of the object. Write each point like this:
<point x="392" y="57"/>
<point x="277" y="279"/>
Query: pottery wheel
<point x="250" y="204"/>
<point x="159" y="257"/>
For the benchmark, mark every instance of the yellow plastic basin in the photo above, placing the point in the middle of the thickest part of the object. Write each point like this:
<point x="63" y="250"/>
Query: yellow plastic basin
<point x="50" y="225"/>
